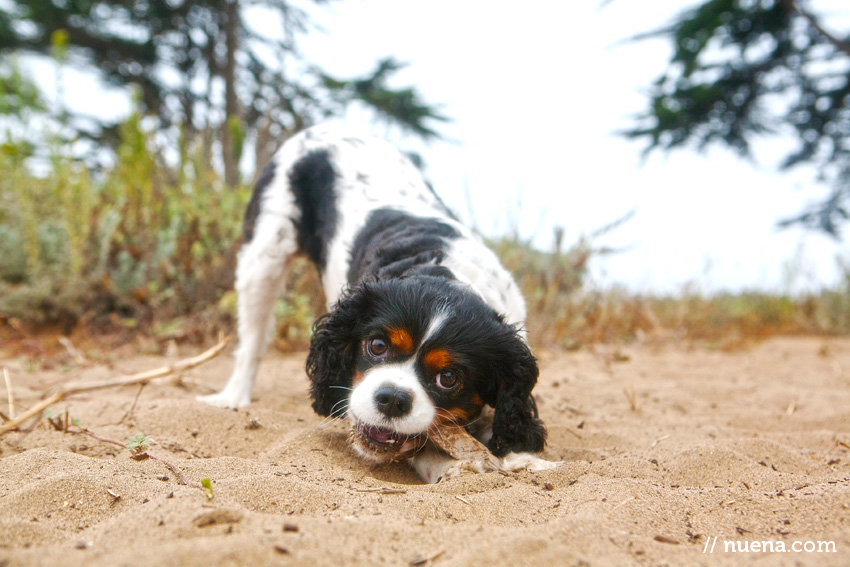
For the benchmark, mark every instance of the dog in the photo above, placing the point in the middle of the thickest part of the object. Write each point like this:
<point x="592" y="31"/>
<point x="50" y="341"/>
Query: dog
<point x="425" y="326"/>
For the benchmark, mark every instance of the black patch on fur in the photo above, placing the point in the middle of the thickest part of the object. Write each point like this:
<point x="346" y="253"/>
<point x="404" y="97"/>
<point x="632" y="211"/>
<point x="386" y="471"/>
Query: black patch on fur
<point x="393" y="244"/>
<point x="493" y="360"/>
<point x="249" y="223"/>
<point x="312" y="179"/>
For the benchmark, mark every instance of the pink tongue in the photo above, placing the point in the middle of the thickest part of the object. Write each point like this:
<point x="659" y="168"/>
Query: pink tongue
<point x="380" y="435"/>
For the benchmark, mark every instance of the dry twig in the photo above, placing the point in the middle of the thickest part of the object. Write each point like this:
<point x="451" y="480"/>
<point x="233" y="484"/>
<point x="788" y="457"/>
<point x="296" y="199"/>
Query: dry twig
<point x="383" y="490"/>
<point x="9" y="393"/>
<point x="464" y="500"/>
<point x="138" y="456"/>
<point x="122" y="381"/>
<point x="180" y="478"/>
<point x="133" y="405"/>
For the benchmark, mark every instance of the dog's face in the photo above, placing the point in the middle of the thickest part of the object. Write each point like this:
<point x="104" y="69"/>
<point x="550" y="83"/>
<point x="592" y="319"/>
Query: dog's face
<point x="400" y="357"/>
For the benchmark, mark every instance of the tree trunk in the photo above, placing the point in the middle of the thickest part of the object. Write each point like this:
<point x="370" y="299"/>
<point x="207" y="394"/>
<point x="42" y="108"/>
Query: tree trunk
<point x="231" y="102"/>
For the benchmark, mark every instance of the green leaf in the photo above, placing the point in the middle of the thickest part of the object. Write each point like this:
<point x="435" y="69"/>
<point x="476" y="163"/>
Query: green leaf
<point x="138" y="442"/>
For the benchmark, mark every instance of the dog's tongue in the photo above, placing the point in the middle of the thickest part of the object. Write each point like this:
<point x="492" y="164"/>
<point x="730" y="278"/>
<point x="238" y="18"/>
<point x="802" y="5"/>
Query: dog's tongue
<point x="381" y="436"/>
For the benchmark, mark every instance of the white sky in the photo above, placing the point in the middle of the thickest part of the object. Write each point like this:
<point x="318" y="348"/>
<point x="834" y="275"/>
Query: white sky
<point x="536" y="92"/>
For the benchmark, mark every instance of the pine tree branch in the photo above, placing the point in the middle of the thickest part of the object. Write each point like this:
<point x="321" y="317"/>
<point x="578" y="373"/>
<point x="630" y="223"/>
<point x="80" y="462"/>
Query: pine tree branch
<point x="839" y="44"/>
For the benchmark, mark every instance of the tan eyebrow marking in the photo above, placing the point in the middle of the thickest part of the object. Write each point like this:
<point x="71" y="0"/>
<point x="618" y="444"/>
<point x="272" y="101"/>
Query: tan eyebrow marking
<point x="438" y="358"/>
<point x="401" y="340"/>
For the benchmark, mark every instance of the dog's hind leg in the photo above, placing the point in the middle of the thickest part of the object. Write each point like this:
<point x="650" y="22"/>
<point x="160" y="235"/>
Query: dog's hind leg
<point x="260" y="278"/>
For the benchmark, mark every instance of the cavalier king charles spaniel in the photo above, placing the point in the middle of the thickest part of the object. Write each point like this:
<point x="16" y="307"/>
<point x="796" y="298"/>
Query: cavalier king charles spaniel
<point x="425" y="327"/>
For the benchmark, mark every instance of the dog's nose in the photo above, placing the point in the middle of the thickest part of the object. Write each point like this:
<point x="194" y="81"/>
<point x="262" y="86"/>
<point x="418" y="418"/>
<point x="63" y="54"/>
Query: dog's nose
<point x="392" y="401"/>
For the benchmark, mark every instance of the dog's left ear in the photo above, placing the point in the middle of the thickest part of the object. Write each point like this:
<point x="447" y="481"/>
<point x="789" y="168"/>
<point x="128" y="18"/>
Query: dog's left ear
<point x="333" y="352"/>
<point x="516" y="427"/>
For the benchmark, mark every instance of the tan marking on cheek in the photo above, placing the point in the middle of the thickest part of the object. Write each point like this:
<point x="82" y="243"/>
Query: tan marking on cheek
<point x="401" y="340"/>
<point x="438" y="359"/>
<point x="358" y="377"/>
<point x="460" y="416"/>
<point x="452" y="416"/>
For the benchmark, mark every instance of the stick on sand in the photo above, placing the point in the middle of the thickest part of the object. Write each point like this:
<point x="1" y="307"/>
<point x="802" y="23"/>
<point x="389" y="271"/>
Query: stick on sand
<point x="9" y="393"/>
<point x="122" y="381"/>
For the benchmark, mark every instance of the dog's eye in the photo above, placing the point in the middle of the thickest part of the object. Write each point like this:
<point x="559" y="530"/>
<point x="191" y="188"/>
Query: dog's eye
<point x="377" y="348"/>
<point x="447" y="380"/>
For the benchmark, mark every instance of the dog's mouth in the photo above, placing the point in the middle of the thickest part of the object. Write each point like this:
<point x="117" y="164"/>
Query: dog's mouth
<point x="383" y="443"/>
<point x="381" y="436"/>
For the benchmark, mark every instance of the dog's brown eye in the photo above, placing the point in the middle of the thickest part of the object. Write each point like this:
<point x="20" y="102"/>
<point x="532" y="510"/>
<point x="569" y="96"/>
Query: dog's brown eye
<point x="377" y="347"/>
<point x="447" y="380"/>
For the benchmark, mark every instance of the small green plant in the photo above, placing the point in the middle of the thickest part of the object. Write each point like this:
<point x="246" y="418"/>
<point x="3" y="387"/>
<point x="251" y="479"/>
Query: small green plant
<point x="207" y="485"/>
<point x="138" y="444"/>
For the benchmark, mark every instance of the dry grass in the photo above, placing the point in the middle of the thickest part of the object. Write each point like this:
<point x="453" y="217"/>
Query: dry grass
<point x="146" y="251"/>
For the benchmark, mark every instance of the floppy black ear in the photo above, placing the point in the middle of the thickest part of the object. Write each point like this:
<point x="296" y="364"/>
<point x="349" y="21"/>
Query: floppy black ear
<point x="516" y="427"/>
<point x="333" y="352"/>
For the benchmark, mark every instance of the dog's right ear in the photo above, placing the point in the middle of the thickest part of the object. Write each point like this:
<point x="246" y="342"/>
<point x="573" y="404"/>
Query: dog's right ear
<point x="333" y="352"/>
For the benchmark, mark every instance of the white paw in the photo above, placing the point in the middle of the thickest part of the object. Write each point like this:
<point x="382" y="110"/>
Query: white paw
<point x="528" y="461"/>
<point x="457" y="468"/>
<point x="225" y="400"/>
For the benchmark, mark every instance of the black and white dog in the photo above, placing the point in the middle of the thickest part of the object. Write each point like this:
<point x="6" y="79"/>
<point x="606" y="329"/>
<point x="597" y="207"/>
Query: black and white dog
<point x="425" y="327"/>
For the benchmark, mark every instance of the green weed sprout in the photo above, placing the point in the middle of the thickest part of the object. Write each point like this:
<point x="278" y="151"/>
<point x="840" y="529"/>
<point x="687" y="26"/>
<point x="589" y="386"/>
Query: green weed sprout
<point x="138" y="444"/>
<point x="207" y="484"/>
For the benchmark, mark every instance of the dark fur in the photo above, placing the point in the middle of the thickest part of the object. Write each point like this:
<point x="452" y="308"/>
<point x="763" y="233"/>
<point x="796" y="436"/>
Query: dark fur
<point x="491" y="358"/>
<point x="312" y="179"/>
<point x="253" y="210"/>
<point x="393" y="244"/>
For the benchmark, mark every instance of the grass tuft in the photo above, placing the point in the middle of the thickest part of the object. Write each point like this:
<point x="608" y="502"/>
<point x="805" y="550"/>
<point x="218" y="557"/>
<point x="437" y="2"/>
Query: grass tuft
<point x="148" y="248"/>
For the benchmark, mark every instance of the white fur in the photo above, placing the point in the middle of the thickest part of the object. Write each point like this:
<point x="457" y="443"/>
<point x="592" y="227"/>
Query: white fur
<point x="393" y="181"/>
<point x="260" y="278"/>
<point x="403" y="376"/>
<point x="371" y="174"/>
<point x="434" y="466"/>
<point x="477" y="266"/>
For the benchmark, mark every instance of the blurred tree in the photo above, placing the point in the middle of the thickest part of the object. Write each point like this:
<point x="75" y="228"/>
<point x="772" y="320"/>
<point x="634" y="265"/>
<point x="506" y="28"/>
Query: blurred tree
<point x="744" y="68"/>
<point x="200" y="66"/>
<point x="20" y="101"/>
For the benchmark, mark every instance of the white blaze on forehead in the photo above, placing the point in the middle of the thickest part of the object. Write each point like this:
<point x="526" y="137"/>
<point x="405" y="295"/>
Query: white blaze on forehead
<point x="402" y="376"/>
<point x="434" y="326"/>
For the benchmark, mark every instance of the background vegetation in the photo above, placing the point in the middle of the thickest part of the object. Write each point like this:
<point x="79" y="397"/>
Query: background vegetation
<point x="131" y="229"/>
<point x="148" y="249"/>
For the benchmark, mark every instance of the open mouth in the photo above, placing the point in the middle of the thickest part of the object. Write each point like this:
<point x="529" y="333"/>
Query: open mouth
<point x="382" y="436"/>
<point x="383" y="442"/>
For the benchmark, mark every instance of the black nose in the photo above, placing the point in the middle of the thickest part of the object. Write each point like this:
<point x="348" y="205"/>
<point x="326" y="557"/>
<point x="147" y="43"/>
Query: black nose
<point x="393" y="402"/>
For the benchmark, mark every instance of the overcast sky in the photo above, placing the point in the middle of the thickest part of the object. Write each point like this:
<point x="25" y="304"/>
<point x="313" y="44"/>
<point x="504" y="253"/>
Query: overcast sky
<point x="536" y="92"/>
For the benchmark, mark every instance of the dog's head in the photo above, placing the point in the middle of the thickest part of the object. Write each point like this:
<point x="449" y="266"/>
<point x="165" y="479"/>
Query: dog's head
<point x="399" y="357"/>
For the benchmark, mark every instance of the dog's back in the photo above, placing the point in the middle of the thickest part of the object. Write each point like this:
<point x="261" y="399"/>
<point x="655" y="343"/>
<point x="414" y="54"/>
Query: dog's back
<point x="348" y="202"/>
<point x="328" y="181"/>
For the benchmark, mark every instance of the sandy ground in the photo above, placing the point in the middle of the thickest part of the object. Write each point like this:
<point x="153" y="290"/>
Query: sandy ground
<point x="664" y="453"/>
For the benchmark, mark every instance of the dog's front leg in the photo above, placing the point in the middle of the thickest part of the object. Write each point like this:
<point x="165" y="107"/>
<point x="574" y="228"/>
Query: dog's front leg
<point x="433" y="465"/>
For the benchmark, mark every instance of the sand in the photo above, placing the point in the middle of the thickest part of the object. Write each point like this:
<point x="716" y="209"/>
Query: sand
<point x="666" y="449"/>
